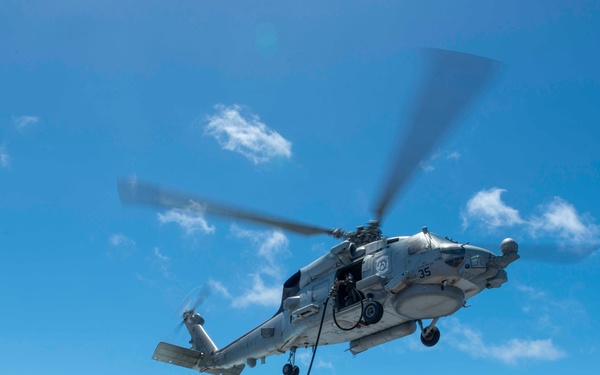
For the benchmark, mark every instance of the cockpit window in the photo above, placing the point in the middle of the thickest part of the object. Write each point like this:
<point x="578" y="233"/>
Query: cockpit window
<point x="453" y="257"/>
<point x="417" y="243"/>
<point x="426" y="241"/>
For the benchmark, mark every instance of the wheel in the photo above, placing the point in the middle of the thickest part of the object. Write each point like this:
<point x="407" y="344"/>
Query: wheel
<point x="432" y="337"/>
<point x="288" y="369"/>
<point x="296" y="370"/>
<point x="373" y="312"/>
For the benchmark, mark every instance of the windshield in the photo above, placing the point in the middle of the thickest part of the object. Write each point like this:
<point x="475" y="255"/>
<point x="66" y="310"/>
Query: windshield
<point x="426" y="241"/>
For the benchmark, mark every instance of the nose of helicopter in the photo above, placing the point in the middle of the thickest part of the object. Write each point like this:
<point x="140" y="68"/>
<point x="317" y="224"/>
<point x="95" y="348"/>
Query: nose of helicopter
<point x="476" y="250"/>
<point x="481" y="265"/>
<point x="509" y="248"/>
<point x="476" y="260"/>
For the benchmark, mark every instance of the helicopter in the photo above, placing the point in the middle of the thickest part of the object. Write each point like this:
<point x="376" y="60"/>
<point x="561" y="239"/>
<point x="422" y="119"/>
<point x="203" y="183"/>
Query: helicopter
<point x="368" y="289"/>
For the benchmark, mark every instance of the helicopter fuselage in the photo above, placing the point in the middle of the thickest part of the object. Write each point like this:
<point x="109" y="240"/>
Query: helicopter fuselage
<point x="402" y="280"/>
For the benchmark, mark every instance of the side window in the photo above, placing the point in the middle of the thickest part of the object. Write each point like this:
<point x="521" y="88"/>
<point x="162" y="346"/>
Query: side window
<point x="453" y="257"/>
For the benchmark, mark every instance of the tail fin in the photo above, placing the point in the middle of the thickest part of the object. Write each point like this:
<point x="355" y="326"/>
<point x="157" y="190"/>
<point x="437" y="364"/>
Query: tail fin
<point x="200" y="340"/>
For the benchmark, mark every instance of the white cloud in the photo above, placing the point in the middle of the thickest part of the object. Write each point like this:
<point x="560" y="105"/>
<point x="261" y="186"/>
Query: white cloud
<point x="488" y="208"/>
<point x="557" y="221"/>
<point x="304" y="358"/>
<point x="561" y="219"/>
<point x="23" y="122"/>
<point x="119" y="239"/>
<point x="263" y="286"/>
<point x="516" y="350"/>
<point x="272" y="245"/>
<point x="163" y="262"/>
<point x="259" y="294"/>
<point x="120" y="246"/>
<point x="219" y="288"/>
<point x="428" y="165"/>
<point x="192" y="221"/>
<point x="454" y="155"/>
<point x="246" y="135"/>
<point x="552" y="313"/>
<point x="161" y="257"/>
<point x="511" y="352"/>
<point x="4" y="157"/>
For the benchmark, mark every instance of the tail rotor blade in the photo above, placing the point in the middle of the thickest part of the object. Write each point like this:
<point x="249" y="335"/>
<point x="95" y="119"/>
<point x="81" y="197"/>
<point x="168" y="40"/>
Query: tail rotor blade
<point x="194" y="298"/>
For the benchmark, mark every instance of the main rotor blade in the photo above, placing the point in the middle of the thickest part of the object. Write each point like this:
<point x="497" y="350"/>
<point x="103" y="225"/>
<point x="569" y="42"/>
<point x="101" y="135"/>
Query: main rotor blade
<point x="453" y="80"/>
<point x="135" y="192"/>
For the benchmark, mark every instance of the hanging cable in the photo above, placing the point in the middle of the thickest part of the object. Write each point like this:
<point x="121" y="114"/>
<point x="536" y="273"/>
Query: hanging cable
<point x="333" y="290"/>
<point x="362" y="308"/>
<point x="349" y="285"/>
<point x="319" y="333"/>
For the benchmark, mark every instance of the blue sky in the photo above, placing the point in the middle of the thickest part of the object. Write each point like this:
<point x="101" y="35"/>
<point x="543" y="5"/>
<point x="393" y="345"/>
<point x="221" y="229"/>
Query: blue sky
<point x="292" y="108"/>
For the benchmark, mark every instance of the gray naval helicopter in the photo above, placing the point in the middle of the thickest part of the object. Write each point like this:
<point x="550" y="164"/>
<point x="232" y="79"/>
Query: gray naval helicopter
<point x="368" y="289"/>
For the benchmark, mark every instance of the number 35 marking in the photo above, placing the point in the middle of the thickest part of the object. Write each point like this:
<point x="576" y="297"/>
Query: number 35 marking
<point x="424" y="272"/>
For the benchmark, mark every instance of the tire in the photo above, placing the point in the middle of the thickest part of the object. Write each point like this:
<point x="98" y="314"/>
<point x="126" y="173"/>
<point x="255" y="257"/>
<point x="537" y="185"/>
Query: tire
<point x="432" y="338"/>
<point x="372" y="312"/>
<point x="296" y="370"/>
<point x="288" y="369"/>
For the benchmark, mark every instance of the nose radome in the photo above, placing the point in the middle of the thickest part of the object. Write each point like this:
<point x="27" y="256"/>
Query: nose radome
<point x="509" y="246"/>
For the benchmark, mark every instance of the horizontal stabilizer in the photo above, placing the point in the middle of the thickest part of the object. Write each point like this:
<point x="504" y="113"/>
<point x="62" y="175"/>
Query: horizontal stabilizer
<point x="189" y="358"/>
<point x="176" y="355"/>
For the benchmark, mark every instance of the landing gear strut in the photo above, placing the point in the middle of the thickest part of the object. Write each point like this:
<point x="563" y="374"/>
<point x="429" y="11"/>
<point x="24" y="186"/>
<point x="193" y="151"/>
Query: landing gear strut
<point x="290" y="368"/>
<point x="430" y="335"/>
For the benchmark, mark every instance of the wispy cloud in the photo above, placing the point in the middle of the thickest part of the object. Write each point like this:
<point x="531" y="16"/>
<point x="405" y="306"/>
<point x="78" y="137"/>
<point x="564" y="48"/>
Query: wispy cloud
<point x="453" y="155"/>
<point x="511" y="352"/>
<point x="191" y="220"/>
<point x="23" y="122"/>
<point x="272" y="246"/>
<point x="4" y="157"/>
<point x="429" y="165"/>
<point x="120" y="245"/>
<point x="162" y="261"/>
<point x="552" y="312"/>
<point x="263" y="287"/>
<point x="258" y="294"/>
<point x="218" y="288"/>
<point x="119" y="239"/>
<point x="558" y="221"/>
<point x="246" y="135"/>
<point x="304" y="358"/>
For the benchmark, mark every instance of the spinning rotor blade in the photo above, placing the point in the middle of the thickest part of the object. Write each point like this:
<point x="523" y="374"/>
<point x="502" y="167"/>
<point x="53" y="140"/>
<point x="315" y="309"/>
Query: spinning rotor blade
<point x="135" y="192"/>
<point x="194" y="298"/>
<point x="453" y="80"/>
<point x="557" y="253"/>
<point x="189" y="303"/>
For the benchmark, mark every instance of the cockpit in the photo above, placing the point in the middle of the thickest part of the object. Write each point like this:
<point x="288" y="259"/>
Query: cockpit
<point x="452" y="252"/>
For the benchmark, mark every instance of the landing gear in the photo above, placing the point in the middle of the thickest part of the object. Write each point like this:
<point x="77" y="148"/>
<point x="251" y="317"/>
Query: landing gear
<point x="290" y="368"/>
<point x="430" y="335"/>
<point x="372" y="312"/>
